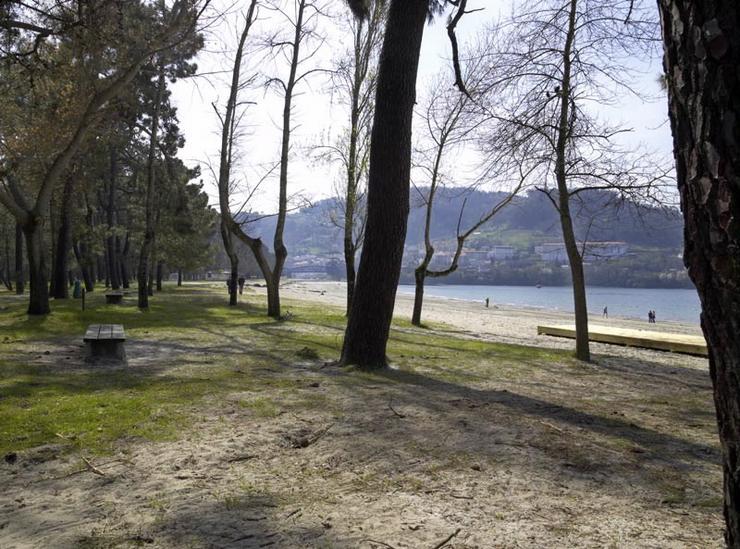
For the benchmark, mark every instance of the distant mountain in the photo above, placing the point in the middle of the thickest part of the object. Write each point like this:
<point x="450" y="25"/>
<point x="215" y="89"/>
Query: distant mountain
<point x="530" y="219"/>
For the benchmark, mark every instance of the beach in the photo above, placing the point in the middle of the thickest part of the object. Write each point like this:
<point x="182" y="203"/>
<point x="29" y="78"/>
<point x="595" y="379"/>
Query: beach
<point x="504" y="324"/>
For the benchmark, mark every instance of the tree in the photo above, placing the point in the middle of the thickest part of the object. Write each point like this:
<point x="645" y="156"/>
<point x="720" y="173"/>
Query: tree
<point x="556" y="59"/>
<point x="354" y="81"/>
<point x="702" y="59"/>
<point x="301" y="26"/>
<point x="69" y="105"/>
<point x="229" y="125"/>
<point x="369" y="321"/>
<point x="451" y="120"/>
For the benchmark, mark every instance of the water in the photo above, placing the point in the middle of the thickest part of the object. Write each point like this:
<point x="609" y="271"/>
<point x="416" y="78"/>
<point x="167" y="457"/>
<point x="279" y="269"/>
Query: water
<point x="678" y="305"/>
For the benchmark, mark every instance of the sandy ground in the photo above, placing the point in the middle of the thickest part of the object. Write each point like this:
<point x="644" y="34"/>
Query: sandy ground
<point x="595" y="456"/>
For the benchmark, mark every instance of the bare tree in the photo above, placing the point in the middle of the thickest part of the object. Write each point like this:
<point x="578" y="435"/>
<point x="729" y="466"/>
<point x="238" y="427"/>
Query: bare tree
<point x="702" y="58"/>
<point x="353" y="81"/>
<point x="452" y="122"/>
<point x="557" y="60"/>
<point x="229" y="124"/>
<point x="302" y="24"/>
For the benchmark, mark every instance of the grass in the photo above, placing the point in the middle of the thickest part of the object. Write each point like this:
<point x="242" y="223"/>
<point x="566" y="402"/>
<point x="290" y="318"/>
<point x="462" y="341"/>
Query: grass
<point x="209" y="352"/>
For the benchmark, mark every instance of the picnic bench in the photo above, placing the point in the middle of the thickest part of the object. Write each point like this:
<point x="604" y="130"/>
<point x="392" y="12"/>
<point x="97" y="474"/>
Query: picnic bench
<point x="114" y="297"/>
<point x="106" y="341"/>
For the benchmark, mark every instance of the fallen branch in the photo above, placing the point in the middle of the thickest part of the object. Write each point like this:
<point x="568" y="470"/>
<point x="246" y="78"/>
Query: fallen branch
<point x="447" y="539"/>
<point x="243" y="457"/>
<point x="390" y="406"/>
<point x="92" y="467"/>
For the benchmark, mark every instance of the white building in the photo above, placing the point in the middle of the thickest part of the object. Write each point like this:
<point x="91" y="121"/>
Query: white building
<point x="595" y="251"/>
<point x="501" y="253"/>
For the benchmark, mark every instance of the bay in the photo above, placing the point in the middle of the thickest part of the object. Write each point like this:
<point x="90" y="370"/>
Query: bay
<point x="669" y="304"/>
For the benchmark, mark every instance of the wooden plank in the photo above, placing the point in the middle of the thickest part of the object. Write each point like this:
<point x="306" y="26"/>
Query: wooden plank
<point x="662" y="341"/>
<point x="92" y="333"/>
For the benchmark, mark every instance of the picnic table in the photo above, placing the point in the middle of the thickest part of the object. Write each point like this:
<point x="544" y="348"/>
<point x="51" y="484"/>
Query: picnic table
<point x="114" y="297"/>
<point x="106" y="341"/>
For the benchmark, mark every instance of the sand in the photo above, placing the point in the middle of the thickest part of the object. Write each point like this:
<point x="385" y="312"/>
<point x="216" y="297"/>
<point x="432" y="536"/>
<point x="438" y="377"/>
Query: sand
<point x="570" y="456"/>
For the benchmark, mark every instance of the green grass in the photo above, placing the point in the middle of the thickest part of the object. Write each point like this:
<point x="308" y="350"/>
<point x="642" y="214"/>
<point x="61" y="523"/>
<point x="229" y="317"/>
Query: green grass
<point x="209" y="351"/>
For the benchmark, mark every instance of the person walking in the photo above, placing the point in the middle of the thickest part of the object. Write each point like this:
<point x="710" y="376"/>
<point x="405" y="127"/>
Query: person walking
<point x="487" y="301"/>
<point x="241" y="282"/>
<point x="606" y="312"/>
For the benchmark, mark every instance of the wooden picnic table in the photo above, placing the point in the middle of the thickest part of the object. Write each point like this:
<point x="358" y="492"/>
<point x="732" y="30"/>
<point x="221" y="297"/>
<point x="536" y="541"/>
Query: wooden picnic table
<point x="105" y="340"/>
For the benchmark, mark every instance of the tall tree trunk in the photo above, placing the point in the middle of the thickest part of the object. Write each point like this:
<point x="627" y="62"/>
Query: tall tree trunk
<point x="19" y="281"/>
<point x="53" y="240"/>
<point x="147" y="244"/>
<point x="575" y="259"/>
<point x="114" y="269"/>
<point x="60" y="289"/>
<point x="702" y="56"/>
<point x="38" y="303"/>
<point x="369" y="322"/>
<point x="151" y="271"/>
<point x="179" y="277"/>
<point x="124" y="262"/>
<point x="349" y="265"/>
<point x="7" y="279"/>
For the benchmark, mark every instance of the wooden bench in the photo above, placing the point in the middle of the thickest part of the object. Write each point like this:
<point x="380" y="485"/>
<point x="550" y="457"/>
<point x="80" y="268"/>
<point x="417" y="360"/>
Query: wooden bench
<point x="105" y="341"/>
<point x="114" y="297"/>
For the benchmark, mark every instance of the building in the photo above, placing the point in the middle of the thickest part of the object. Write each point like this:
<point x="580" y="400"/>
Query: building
<point x="595" y="251"/>
<point x="501" y="253"/>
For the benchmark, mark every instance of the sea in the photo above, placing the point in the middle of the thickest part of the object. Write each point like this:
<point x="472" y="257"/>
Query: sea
<point x="668" y="304"/>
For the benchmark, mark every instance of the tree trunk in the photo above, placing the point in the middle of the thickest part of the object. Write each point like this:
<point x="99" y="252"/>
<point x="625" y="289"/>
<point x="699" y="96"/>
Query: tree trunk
<point x="349" y="264"/>
<point x="7" y="279"/>
<point x="123" y="262"/>
<point x="61" y="263"/>
<point x="20" y="283"/>
<point x="273" y="297"/>
<point x="38" y="303"/>
<point x="419" y="276"/>
<point x="160" y="274"/>
<point x="152" y="270"/>
<point x="179" y="277"/>
<point x="369" y="322"/>
<point x="148" y="242"/>
<point x="575" y="259"/>
<point x="114" y="270"/>
<point x="84" y="267"/>
<point x="702" y="56"/>
<point x="228" y="240"/>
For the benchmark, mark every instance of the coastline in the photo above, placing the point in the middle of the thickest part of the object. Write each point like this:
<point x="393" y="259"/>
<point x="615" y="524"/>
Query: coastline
<point x="505" y="324"/>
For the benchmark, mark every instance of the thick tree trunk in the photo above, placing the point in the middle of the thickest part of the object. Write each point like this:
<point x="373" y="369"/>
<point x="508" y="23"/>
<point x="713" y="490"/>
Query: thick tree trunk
<point x="20" y="283"/>
<point x="179" y="277"/>
<point x="7" y="279"/>
<point x="60" y="289"/>
<point x="349" y="264"/>
<point x="702" y="56"/>
<point x="152" y="270"/>
<point x="38" y="303"/>
<point x="369" y="322"/>
<point x="273" y="297"/>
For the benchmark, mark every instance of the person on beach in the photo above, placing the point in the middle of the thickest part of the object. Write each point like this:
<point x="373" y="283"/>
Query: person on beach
<point x="606" y="313"/>
<point x="487" y="301"/>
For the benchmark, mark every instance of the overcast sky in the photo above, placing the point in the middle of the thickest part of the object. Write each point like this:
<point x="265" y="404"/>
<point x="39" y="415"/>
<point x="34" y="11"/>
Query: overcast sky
<point x="314" y="114"/>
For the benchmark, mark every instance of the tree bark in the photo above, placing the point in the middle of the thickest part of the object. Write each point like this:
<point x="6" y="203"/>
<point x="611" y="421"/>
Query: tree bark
<point x="160" y="274"/>
<point x="114" y="270"/>
<point x="226" y="236"/>
<point x="124" y="262"/>
<point x="84" y="265"/>
<point x="419" y="279"/>
<point x="20" y="283"/>
<point x="61" y="264"/>
<point x="368" y="326"/>
<point x="179" y="277"/>
<point x="147" y="244"/>
<point x="38" y="303"/>
<point x="702" y="56"/>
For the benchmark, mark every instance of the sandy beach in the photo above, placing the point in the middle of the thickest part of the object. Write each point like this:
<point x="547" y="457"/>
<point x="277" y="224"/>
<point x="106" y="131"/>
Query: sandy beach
<point x="505" y="324"/>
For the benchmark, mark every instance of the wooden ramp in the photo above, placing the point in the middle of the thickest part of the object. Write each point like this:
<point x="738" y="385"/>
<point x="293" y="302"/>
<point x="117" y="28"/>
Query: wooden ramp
<point x="675" y="343"/>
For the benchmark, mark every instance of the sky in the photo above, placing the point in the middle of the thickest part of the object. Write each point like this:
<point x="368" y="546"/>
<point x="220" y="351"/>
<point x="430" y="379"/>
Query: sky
<point x="316" y="114"/>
